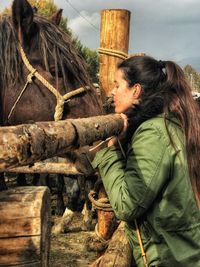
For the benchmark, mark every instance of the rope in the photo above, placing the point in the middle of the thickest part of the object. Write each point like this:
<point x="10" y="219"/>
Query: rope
<point x="112" y="52"/>
<point x="141" y="245"/>
<point x="29" y="80"/>
<point x="60" y="99"/>
<point x="100" y="204"/>
<point x="104" y="241"/>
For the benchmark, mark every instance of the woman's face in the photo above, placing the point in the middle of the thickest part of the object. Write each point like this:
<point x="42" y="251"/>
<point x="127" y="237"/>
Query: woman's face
<point x="124" y="96"/>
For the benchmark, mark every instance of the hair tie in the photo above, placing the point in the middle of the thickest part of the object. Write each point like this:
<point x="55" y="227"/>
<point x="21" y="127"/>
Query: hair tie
<point x="161" y="64"/>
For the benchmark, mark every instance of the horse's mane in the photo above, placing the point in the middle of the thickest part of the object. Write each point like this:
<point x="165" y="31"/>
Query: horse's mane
<point x="49" y="36"/>
<point x="10" y="61"/>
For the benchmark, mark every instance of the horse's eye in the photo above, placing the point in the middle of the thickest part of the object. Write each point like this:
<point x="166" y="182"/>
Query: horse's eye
<point x="53" y="71"/>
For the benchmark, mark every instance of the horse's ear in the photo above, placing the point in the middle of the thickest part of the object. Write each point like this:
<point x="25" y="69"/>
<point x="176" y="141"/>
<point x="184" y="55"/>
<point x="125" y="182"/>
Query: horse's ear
<point x="22" y="16"/>
<point x="56" y="18"/>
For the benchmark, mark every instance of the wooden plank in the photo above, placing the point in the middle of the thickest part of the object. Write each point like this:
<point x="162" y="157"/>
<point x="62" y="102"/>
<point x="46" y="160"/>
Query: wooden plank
<point x="21" y="195"/>
<point x="20" y="227"/>
<point x="20" y="250"/>
<point x="31" y="264"/>
<point x="25" y="227"/>
<point x="19" y="210"/>
<point x="27" y="264"/>
<point x="24" y="190"/>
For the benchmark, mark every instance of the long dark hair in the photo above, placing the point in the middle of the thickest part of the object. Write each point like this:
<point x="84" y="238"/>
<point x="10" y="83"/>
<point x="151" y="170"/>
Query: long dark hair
<point x="166" y="90"/>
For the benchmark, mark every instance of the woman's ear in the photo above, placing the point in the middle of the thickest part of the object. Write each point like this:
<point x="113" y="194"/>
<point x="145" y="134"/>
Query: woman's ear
<point x="137" y="90"/>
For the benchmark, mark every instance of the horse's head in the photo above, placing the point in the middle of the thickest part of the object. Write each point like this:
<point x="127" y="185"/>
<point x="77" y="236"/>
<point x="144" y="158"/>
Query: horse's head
<point x="31" y="44"/>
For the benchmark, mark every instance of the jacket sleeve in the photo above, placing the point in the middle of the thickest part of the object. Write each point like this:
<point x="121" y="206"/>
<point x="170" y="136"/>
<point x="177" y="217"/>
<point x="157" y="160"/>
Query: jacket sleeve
<point x="133" y="184"/>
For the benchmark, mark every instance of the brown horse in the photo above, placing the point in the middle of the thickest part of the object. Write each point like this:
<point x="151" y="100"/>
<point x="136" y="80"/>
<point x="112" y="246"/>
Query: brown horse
<point x="52" y="54"/>
<point x="32" y="47"/>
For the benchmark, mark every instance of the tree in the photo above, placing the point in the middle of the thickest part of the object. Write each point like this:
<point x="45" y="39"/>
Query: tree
<point x="193" y="77"/>
<point x="47" y="8"/>
<point x="91" y="57"/>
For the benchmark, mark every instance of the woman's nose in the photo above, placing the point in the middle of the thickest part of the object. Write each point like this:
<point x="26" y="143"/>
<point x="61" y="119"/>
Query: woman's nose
<point x="113" y="92"/>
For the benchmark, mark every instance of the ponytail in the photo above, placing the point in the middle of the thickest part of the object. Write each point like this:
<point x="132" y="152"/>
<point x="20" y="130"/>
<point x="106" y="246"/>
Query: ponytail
<point x="180" y="103"/>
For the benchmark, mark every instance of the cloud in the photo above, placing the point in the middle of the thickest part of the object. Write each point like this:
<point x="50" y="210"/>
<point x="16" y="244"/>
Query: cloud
<point x="81" y="24"/>
<point x="166" y="29"/>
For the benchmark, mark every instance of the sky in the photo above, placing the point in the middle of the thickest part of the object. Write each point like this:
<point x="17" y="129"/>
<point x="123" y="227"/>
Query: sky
<point x="164" y="29"/>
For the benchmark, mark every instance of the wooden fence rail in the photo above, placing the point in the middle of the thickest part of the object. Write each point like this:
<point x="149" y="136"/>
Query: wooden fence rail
<point x="29" y="143"/>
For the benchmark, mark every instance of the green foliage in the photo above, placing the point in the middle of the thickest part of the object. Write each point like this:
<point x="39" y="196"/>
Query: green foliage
<point x="193" y="77"/>
<point x="63" y="26"/>
<point x="91" y="58"/>
<point x="47" y="8"/>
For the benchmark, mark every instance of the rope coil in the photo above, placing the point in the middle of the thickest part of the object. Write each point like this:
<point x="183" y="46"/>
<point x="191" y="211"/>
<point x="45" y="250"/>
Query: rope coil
<point x="104" y="241"/>
<point x="100" y="204"/>
<point x="112" y="52"/>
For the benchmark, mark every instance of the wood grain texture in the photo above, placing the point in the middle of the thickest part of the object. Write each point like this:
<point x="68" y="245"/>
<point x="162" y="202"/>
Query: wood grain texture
<point x="26" y="144"/>
<point x="115" y="25"/>
<point x="118" y="253"/>
<point x="25" y="226"/>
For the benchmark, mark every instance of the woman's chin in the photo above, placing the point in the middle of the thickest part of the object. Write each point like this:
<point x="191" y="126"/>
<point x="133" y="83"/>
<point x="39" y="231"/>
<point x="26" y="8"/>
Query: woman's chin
<point x="120" y="110"/>
<point x="117" y="110"/>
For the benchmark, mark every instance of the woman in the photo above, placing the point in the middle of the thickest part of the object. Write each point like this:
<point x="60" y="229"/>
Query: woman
<point x="154" y="186"/>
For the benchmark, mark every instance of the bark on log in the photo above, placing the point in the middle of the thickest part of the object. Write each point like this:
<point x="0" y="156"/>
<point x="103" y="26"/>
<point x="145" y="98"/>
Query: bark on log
<point x="29" y="143"/>
<point x="118" y="253"/>
<point x="25" y="227"/>
<point x="66" y="167"/>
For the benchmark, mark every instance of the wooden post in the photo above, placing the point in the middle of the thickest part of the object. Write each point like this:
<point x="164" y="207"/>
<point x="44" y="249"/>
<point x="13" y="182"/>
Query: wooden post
<point x="25" y="227"/>
<point x="107" y="221"/>
<point x="114" y="36"/>
<point x="114" y="41"/>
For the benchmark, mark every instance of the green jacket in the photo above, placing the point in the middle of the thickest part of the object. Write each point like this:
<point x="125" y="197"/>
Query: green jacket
<point x="153" y="186"/>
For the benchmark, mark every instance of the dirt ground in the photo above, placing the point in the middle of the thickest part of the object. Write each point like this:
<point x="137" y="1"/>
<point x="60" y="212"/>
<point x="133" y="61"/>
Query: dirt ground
<point x="69" y="249"/>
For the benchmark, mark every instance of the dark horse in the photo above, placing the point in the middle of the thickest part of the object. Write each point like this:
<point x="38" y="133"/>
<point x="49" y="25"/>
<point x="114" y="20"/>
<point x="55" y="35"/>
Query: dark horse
<point x="51" y="54"/>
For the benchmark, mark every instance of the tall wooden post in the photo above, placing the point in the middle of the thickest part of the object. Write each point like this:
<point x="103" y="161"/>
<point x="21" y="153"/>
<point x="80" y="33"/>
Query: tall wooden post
<point x="114" y="41"/>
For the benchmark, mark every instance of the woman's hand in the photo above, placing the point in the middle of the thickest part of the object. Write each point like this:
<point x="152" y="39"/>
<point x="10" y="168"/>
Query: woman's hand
<point x="114" y="141"/>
